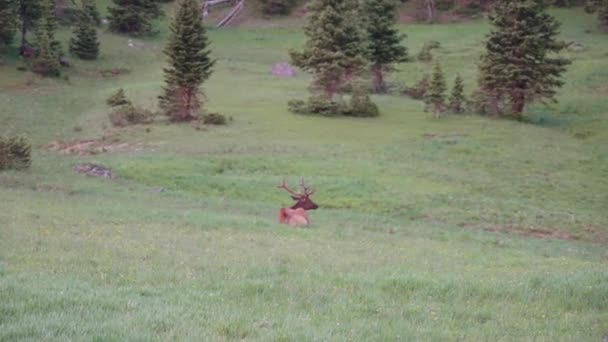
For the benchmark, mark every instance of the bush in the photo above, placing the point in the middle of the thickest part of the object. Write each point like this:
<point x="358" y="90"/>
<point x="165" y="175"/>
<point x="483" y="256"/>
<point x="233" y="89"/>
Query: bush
<point x="360" y="105"/>
<point x="15" y="153"/>
<point x="418" y="91"/>
<point x="118" y="99"/>
<point x="130" y="115"/>
<point x="317" y="105"/>
<point x="214" y="119"/>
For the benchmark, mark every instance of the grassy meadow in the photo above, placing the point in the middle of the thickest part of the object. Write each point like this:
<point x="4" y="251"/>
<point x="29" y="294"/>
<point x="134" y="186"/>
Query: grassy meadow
<point x="462" y="228"/>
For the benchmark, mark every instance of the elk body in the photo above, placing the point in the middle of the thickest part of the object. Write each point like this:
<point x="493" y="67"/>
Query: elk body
<point x="296" y="214"/>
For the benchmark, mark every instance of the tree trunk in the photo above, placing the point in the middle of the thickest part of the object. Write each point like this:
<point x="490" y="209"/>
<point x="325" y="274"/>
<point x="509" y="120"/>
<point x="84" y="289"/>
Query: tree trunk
<point x="518" y="101"/>
<point x="378" y="74"/>
<point x="430" y="7"/>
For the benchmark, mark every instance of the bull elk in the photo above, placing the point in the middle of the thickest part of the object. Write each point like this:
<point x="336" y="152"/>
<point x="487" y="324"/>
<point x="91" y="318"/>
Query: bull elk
<point x="296" y="214"/>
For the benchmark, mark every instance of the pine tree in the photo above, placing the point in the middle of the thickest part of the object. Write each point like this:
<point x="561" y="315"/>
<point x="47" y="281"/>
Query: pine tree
<point x="601" y="7"/>
<point x="457" y="99"/>
<point x="384" y="39"/>
<point x="435" y="95"/>
<point x="8" y="24"/>
<point x="49" y="20"/>
<point x="336" y="48"/>
<point x="152" y="8"/>
<point x="29" y="12"/>
<point x="130" y="16"/>
<point x="84" y="44"/>
<point x="189" y="63"/>
<point x="519" y="64"/>
<point x="46" y="63"/>
<point x="90" y="8"/>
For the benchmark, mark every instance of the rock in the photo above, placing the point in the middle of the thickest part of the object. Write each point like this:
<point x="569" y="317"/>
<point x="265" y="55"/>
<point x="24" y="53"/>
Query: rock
<point x="284" y="70"/>
<point x="576" y="47"/>
<point x="94" y="170"/>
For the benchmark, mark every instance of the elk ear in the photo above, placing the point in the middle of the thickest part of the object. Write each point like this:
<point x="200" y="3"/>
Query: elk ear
<point x="295" y="198"/>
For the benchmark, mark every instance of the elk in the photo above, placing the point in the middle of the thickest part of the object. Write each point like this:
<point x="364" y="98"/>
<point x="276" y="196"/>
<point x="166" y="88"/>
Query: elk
<point x="296" y="214"/>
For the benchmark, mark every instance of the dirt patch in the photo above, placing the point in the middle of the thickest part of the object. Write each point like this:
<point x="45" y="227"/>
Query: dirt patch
<point x="107" y="73"/>
<point x="535" y="232"/>
<point x="89" y="147"/>
<point x="94" y="170"/>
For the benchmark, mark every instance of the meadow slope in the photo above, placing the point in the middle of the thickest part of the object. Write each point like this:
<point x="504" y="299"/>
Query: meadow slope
<point x="428" y="229"/>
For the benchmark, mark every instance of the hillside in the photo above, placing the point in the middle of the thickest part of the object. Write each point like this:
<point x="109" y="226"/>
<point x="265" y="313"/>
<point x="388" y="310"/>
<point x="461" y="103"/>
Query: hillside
<point x="463" y="228"/>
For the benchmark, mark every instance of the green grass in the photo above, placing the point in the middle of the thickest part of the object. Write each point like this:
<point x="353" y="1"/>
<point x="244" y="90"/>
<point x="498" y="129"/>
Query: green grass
<point x="402" y="247"/>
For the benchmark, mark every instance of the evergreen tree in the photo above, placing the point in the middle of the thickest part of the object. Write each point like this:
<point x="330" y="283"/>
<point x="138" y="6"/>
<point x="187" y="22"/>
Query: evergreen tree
<point x="435" y="95"/>
<point x="8" y="24"/>
<point x="601" y="7"/>
<point x="336" y="48"/>
<point x="384" y="39"/>
<point x="84" y="44"/>
<point x="457" y="99"/>
<point x="189" y="63"/>
<point x="46" y="63"/>
<point x="130" y="16"/>
<point x="49" y="20"/>
<point x="519" y="64"/>
<point x="90" y="8"/>
<point x="29" y="11"/>
<point x="152" y="8"/>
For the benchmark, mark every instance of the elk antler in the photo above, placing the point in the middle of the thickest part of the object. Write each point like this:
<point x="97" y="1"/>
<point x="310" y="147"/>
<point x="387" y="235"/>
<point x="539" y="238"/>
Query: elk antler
<point x="307" y="191"/>
<point x="284" y="186"/>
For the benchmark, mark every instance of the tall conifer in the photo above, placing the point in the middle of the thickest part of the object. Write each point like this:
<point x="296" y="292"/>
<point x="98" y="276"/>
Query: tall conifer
<point x="130" y="16"/>
<point x="384" y="39"/>
<point x="435" y="95"/>
<point x="84" y="43"/>
<point x="8" y="22"/>
<point x="520" y="64"/>
<point x="29" y="11"/>
<point x="336" y="47"/>
<point x="190" y="63"/>
<point x="457" y="99"/>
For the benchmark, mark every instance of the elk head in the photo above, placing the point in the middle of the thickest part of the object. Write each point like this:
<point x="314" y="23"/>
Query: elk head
<point x="302" y="198"/>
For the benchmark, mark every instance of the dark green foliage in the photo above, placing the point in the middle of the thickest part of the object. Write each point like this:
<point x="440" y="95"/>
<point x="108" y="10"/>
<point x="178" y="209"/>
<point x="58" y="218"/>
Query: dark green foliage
<point x="361" y="104"/>
<point x="46" y="63"/>
<point x="214" y="119"/>
<point x="435" y="95"/>
<point x="336" y="47"/>
<point x="15" y="153"/>
<point x="385" y="47"/>
<point x="8" y="22"/>
<point x="118" y="98"/>
<point x="318" y="105"/>
<point x="49" y="21"/>
<point x="277" y="7"/>
<point x="520" y="64"/>
<point x="457" y="99"/>
<point x="601" y="8"/>
<point x="130" y="16"/>
<point x="90" y="8"/>
<point x="128" y="114"/>
<point x="84" y="43"/>
<point x="190" y="63"/>
<point x="418" y="91"/>
<point x="30" y="11"/>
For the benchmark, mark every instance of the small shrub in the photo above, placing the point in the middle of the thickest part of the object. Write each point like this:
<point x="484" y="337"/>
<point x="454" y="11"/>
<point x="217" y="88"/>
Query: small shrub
<point x="425" y="54"/>
<point x="118" y="99"/>
<point x="15" y="153"/>
<point x="130" y="115"/>
<point x="418" y="91"/>
<point x="361" y="104"/>
<point x="318" y="105"/>
<point x="214" y="119"/>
